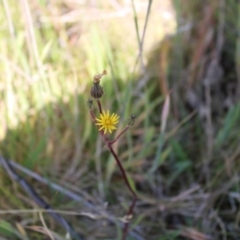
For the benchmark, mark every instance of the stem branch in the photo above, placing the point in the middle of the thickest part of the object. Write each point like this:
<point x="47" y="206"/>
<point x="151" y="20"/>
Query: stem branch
<point x="123" y="172"/>
<point x="119" y="135"/>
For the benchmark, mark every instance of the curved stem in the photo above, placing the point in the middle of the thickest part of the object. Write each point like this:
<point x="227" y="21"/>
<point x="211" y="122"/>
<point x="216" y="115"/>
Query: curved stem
<point x="130" y="210"/>
<point x="121" y="169"/>
<point x="123" y="172"/>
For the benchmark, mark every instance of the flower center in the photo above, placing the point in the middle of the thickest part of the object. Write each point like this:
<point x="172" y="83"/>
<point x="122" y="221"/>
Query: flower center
<point x="107" y="122"/>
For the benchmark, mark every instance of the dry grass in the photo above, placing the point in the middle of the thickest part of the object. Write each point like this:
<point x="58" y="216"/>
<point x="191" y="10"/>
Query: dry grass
<point x="182" y="159"/>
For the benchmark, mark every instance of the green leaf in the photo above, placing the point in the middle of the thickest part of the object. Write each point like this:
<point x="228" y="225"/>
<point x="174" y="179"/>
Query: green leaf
<point x="231" y="119"/>
<point x="6" y="229"/>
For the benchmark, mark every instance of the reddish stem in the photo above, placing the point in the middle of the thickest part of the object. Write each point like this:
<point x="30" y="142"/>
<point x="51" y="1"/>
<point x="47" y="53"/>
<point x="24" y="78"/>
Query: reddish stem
<point x="119" y="135"/>
<point x="130" y="210"/>
<point x="109" y="145"/>
<point x="121" y="169"/>
<point x="99" y="106"/>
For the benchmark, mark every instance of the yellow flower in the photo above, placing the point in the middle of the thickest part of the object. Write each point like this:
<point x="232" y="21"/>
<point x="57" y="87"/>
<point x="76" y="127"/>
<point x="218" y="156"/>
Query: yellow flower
<point x="107" y="122"/>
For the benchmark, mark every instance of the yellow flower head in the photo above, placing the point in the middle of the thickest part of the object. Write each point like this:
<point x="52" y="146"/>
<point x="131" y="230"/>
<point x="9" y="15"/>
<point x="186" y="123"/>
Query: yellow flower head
<point x="107" y="122"/>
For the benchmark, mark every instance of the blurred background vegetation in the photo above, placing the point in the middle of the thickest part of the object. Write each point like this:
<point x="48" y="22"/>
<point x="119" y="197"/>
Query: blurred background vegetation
<point x="186" y="174"/>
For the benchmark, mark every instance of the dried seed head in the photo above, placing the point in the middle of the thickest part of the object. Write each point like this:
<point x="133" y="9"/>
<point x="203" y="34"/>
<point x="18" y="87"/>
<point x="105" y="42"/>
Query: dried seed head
<point x="97" y="77"/>
<point x="131" y="120"/>
<point x="96" y="90"/>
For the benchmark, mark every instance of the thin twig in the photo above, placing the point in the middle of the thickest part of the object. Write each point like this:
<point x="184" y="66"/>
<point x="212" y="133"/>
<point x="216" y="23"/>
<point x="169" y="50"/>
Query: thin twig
<point x="45" y="226"/>
<point x="141" y="40"/>
<point x="37" y="199"/>
<point x="55" y="186"/>
<point x="66" y="192"/>
<point x="144" y="32"/>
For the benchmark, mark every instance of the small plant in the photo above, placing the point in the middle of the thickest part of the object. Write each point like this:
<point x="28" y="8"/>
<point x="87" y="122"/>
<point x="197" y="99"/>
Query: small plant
<point x="107" y="123"/>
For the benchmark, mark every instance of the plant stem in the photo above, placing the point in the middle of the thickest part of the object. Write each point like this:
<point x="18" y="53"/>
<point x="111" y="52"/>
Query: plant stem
<point x="121" y="169"/>
<point x="123" y="172"/>
<point x="99" y="106"/>
<point x="130" y="210"/>
<point x="119" y="135"/>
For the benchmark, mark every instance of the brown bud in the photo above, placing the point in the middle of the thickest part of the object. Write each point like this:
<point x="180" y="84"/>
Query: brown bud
<point x="131" y="120"/>
<point x="96" y="90"/>
<point x="90" y="103"/>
